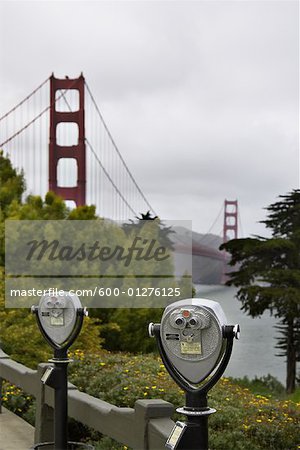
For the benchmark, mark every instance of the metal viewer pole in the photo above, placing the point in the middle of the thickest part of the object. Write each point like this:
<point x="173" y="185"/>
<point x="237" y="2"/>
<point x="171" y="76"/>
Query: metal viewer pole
<point x="53" y="315"/>
<point x="61" y="400"/>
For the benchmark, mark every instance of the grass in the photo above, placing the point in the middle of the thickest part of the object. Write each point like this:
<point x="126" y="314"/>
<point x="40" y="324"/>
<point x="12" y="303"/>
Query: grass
<point x="295" y="397"/>
<point x="266" y="385"/>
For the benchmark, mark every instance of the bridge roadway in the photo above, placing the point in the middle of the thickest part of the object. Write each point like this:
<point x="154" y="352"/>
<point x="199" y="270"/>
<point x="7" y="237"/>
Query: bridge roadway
<point x="15" y="433"/>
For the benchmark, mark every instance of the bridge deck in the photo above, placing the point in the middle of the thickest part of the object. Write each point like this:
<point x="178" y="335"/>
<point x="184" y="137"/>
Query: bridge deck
<point x="15" y="433"/>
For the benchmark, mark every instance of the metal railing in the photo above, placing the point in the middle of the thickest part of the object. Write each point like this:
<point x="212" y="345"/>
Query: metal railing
<point x="144" y="427"/>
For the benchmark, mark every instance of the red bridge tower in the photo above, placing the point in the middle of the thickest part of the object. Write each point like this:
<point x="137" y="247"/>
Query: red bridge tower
<point x="58" y="89"/>
<point x="230" y="228"/>
<point x="230" y="231"/>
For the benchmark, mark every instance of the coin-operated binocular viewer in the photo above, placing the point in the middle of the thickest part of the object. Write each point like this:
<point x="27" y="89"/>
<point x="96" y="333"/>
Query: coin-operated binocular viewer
<point x="60" y="318"/>
<point x="195" y="344"/>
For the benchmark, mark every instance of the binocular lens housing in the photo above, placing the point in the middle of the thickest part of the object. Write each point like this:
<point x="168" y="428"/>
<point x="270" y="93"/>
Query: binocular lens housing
<point x="180" y="322"/>
<point x="58" y="316"/>
<point x="193" y="322"/>
<point x="192" y="336"/>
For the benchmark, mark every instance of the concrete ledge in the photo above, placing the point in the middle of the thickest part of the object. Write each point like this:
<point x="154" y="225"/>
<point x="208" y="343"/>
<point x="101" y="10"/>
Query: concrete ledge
<point x="146" y="426"/>
<point x="18" y="374"/>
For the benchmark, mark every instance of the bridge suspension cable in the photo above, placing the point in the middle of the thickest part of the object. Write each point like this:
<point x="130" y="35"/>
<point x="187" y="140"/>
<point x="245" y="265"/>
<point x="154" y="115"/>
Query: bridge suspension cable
<point x="99" y="162"/>
<point x="24" y="136"/>
<point x="24" y="99"/>
<point x="32" y="121"/>
<point x="109" y="177"/>
<point x="117" y="149"/>
<point x="204" y="237"/>
<point x="28" y="124"/>
<point x="104" y="170"/>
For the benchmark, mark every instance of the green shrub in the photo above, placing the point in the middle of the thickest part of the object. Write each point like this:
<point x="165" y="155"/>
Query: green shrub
<point x="21" y="338"/>
<point x="121" y="378"/>
<point x="15" y="399"/>
<point x="244" y="421"/>
<point x="265" y="385"/>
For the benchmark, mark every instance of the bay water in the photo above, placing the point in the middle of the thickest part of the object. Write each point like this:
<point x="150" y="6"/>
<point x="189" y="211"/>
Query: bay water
<point x="254" y="354"/>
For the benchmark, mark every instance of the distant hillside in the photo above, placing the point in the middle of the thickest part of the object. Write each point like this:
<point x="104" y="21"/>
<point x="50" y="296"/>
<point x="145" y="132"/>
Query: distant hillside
<point x="205" y="270"/>
<point x="184" y="235"/>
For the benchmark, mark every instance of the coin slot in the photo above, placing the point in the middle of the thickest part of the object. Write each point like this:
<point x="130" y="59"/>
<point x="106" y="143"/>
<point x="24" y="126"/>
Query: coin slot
<point x="172" y="336"/>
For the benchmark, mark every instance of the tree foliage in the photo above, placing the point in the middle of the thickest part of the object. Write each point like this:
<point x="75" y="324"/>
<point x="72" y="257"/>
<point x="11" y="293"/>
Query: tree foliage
<point x="121" y="329"/>
<point x="12" y="185"/>
<point x="268" y="276"/>
<point x="22" y="340"/>
<point x="19" y="334"/>
<point x="127" y="329"/>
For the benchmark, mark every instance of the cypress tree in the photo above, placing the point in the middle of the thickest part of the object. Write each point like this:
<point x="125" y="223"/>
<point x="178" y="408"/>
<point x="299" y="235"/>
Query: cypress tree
<point x="267" y="273"/>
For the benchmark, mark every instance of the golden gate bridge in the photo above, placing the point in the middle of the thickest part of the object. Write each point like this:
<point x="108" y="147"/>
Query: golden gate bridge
<point x="62" y="143"/>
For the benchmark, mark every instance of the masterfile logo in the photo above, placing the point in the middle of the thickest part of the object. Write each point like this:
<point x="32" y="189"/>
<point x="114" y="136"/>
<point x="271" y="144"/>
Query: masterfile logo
<point x="110" y="264"/>
<point x="91" y="248"/>
<point x="140" y="250"/>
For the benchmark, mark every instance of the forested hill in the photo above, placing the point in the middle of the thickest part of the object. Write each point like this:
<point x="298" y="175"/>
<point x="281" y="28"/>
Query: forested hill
<point x="205" y="270"/>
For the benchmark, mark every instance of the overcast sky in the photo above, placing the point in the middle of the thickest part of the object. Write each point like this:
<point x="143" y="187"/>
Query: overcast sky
<point x="201" y="97"/>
